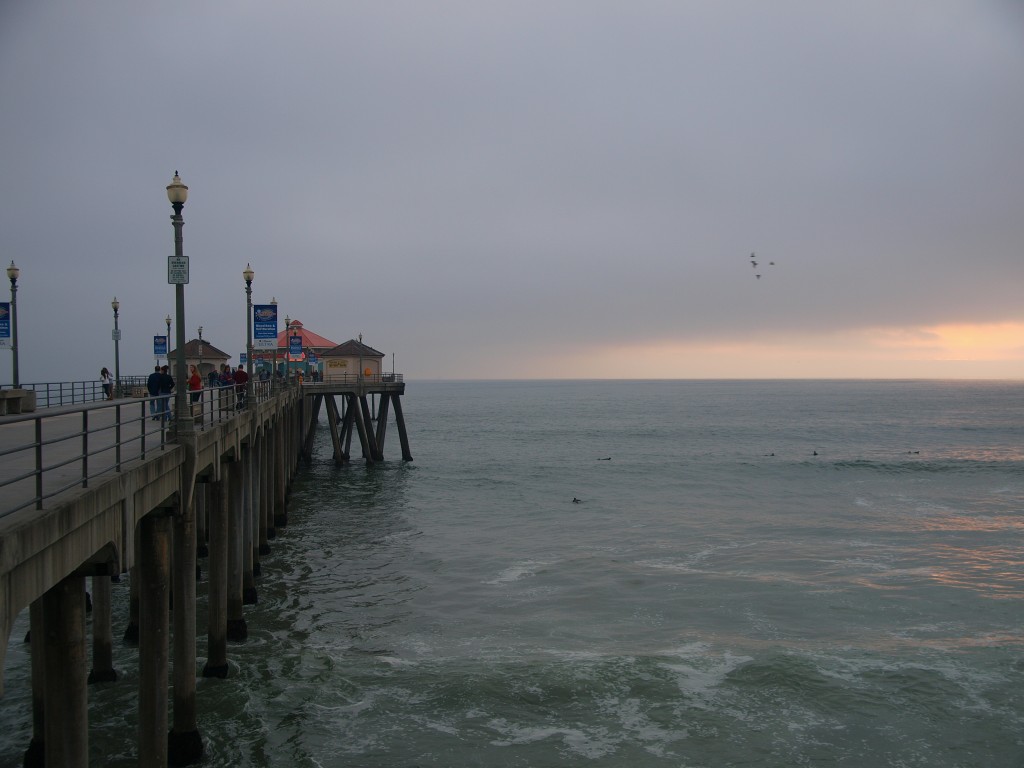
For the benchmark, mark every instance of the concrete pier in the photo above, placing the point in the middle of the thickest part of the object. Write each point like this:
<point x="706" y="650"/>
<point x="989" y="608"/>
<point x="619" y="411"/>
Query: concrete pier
<point x="223" y="491"/>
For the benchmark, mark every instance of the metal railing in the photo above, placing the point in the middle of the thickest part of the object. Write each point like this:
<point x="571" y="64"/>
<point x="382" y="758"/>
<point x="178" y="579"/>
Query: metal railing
<point x="355" y="379"/>
<point x="49" y="452"/>
<point x="51" y="394"/>
<point x="45" y="454"/>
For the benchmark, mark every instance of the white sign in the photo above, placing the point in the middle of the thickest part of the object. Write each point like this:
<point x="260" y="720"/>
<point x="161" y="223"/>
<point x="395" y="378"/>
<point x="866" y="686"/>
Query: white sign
<point x="264" y="343"/>
<point x="177" y="270"/>
<point x="115" y="335"/>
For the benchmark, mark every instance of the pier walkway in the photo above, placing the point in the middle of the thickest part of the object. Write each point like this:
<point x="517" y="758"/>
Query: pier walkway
<point x="100" y="490"/>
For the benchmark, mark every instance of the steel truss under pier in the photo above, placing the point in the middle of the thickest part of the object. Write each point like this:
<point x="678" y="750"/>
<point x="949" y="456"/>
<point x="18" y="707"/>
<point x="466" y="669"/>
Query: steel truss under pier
<point x="356" y="412"/>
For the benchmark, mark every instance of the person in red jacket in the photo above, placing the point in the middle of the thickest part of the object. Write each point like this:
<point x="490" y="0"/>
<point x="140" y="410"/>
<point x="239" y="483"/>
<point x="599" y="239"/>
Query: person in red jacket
<point x="241" y="378"/>
<point x="195" y="385"/>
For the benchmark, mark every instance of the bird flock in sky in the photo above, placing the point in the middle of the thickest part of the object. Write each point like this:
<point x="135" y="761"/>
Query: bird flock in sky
<point x="754" y="263"/>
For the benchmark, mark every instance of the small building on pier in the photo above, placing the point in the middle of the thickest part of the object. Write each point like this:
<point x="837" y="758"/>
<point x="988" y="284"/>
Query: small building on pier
<point x="350" y="359"/>
<point x="203" y="355"/>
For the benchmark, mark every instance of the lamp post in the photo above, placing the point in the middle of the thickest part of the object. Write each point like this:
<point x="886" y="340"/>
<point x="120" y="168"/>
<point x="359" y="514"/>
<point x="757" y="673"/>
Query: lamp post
<point x="273" y="376"/>
<point x="12" y="273"/>
<point x="168" y="337"/>
<point x="116" y="305"/>
<point x="248" y="275"/>
<point x="183" y="745"/>
<point x="287" y="347"/>
<point x="177" y="193"/>
<point x="200" y="366"/>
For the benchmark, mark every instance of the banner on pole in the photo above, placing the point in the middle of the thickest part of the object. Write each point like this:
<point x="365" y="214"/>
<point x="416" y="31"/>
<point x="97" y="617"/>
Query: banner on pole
<point x="5" y="325"/>
<point x="264" y="326"/>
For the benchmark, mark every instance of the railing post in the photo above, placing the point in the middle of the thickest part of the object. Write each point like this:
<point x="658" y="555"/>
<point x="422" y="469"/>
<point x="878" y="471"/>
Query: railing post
<point x="85" y="449"/>
<point x="117" y="437"/>
<point x="39" y="462"/>
<point x="142" y="427"/>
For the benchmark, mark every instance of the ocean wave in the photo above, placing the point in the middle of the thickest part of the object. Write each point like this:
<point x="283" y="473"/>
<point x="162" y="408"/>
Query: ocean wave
<point x="922" y="466"/>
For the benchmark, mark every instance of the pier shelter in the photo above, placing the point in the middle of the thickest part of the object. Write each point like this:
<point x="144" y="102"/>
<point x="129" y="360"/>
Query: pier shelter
<point x="351" y="359"/>
<point x="203" y="355"/>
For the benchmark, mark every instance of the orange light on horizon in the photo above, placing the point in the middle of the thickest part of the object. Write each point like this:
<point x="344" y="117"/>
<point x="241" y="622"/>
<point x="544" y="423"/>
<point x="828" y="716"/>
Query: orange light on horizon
<point x="964" y="350"/>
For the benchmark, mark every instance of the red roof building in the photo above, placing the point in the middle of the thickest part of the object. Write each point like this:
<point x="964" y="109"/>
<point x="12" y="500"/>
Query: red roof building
<point x="311" y="342"/>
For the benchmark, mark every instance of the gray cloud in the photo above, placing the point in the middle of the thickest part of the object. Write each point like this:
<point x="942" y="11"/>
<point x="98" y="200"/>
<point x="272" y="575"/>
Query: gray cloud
<point x="464" y="176"/>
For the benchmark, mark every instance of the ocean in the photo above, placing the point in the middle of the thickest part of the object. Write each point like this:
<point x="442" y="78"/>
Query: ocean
<point x="695" y="574"/>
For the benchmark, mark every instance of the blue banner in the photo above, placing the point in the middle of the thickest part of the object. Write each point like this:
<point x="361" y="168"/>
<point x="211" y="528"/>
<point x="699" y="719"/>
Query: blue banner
<point x="5" y="325"/>
<point x="295" y="346"/>
<point x="160" y="346"/>
<point x="264" y="326"/>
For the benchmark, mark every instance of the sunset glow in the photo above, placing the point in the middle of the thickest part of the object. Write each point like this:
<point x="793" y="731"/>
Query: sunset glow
<point x="964" y="351"/>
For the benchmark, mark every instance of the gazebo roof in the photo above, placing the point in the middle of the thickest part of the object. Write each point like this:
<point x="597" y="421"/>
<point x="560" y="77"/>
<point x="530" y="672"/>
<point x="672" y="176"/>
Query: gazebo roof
<point x="352" y="348"/>
<point x="210" y="352"/>
<point x="309" y="339"/>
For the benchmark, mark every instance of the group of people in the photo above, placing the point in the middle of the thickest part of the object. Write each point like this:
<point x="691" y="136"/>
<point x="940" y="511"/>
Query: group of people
<point x="160" y="385"/>
<point x="227" y="378"/>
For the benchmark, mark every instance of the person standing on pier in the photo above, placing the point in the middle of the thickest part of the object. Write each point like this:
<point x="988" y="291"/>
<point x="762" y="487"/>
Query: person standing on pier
<point x="195" y="385"/>
<point x="153" y="387"/>
<point x="166" y="387"/>
<point x="241" y="378"/>
<point x="105" y="381"/>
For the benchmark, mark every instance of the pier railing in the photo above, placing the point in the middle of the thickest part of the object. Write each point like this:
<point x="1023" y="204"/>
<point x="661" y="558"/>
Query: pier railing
<point x="355" y="380"/>
<point x="46" y="453"/>
<point x="52" y="394"/>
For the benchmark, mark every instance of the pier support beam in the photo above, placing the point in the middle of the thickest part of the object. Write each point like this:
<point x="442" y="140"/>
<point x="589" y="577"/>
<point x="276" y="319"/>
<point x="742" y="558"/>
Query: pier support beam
<point x="202" y="523"/>
<point x="280" y="471"/>
<point x="35" y="754"/>
<point x="237" y="629"/>
<point x="102" y="633"/>
<point x="217" y="596"/>
<point x="66" y="719"/>
<point x="184" y="743"/>
<point x="263" y="520"/>
<point x="131" y="631"/>
<point x="154" y="624"/>
<point x="403" y="436"/>
<point x="249" y="557"/>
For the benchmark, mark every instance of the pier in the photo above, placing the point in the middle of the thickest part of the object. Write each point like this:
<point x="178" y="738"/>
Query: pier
<point x="104" y="491"/>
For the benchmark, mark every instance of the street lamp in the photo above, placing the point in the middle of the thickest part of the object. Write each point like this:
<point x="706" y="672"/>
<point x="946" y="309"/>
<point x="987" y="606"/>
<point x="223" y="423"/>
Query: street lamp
<point x="200" y="366"/>
<point x="177" y="193"/>
<point x="273" y="378"/>
<point x="248" y="275"/>
<point x="167" y="349"/>
<point x="116" y="305"/>
<point x="12" y="273"/>
<point x="287" y="347"/>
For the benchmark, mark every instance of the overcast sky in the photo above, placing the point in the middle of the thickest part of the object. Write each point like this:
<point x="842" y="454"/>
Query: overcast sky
<point x="560" y="188"/>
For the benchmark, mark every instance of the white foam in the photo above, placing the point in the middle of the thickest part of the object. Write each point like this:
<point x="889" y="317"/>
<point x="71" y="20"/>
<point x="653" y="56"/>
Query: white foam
<point x="518" y="571"/>
<point x="591" y="744"/>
